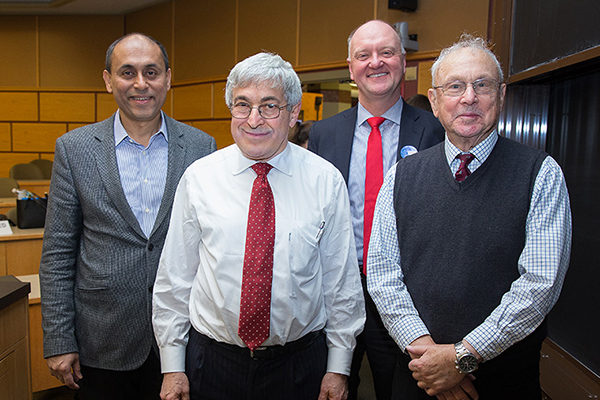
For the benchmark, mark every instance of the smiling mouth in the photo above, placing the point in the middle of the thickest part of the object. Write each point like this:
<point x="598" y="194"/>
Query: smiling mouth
<point x="377" y="75"/>
<point x="139" y="98"/>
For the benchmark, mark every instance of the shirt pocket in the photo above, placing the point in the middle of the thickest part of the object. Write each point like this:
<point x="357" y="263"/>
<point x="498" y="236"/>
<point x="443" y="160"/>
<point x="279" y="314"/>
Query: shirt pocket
<point x="304" y="249"/>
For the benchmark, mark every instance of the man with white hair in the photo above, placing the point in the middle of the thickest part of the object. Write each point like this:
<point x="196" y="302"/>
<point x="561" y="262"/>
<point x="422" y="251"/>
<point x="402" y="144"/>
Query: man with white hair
<point x="258" y="294"/>
<point x="470" y="245"/>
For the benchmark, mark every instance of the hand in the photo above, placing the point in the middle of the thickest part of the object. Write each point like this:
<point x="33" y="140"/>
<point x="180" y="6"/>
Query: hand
<point x="434" y="368"/>
<point x="175" y="386"/>
<point x="464" y="391"/>
<point x="66" y="368"/>
<point x="334" y="386"/>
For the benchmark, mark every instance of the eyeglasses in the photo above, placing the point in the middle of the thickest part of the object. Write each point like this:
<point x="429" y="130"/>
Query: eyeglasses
<point x="480" y="87"/>
<point x="266" y="111"/>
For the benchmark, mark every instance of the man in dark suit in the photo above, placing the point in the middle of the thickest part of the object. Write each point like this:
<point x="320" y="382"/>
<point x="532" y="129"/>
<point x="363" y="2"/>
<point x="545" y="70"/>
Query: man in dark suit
<point x="377" y="62"/>
<point x="110" y="201"/>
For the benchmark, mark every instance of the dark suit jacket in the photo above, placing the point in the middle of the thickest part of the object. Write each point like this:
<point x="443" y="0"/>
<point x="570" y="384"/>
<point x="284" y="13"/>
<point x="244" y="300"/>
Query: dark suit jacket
<point x="332" y="138"/>
<point x="98" y="268"/>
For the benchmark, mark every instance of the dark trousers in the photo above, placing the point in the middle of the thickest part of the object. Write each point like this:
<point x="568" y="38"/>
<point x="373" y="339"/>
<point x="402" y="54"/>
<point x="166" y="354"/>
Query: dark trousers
<point x="520" y="382"/>
<point x="219" y="371"/>
<point x="142" y="383"/>
<point x="382" y="353"/>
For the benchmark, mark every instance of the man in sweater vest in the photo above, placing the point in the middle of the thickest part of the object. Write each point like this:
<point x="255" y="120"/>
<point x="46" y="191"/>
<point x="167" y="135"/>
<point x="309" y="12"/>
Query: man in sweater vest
<point x="470" y="245"/>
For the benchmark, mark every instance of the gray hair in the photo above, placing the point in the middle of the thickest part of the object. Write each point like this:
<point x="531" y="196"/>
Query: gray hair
<point x="466" y="41"/>
<point x="111" y="49"/>
<point x="378" y="20"/>
<point x="264" y="68"/>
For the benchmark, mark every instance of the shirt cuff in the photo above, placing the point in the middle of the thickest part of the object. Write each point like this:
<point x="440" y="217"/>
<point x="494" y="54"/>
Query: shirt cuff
<point x="172" y="359"/>
<point x="339" y="361"/>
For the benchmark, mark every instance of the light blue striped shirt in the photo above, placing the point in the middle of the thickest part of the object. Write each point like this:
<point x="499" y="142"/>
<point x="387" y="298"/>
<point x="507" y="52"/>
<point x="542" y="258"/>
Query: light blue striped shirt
<point x="542" y="264"/>
<point x="390" y="132"/>
<point x="143" y="172"/>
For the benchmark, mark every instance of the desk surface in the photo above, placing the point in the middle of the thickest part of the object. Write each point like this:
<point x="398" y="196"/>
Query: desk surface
<point x="23" y="234"/>
<point x="8" y="201"/>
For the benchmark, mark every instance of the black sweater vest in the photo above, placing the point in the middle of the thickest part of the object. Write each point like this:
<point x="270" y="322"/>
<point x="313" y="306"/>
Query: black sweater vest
<point x="460" y="242"/>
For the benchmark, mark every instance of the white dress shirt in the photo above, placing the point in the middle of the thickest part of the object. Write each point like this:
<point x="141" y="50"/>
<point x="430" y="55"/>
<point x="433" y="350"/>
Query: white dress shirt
<point x="390" y="134"/>
<point x="542" y="265"/>
<point x="316" y="283"/>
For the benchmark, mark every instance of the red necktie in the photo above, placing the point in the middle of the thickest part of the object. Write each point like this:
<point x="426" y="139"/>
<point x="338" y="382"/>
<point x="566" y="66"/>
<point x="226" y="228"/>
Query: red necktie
<point x="463" y="171"/>
<point x="373" y="181"/>
<point x="255" y="301"/>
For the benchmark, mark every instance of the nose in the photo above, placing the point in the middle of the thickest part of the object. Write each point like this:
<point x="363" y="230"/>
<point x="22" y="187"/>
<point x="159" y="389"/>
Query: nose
<point x="254" y="119"/>
<point x="140" y="82"/>
<point x="375" y="60"/>
<point x="469" y="96"/>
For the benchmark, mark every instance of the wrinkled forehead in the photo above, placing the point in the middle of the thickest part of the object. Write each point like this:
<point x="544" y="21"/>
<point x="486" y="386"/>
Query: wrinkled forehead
<point x="467" y="65"/>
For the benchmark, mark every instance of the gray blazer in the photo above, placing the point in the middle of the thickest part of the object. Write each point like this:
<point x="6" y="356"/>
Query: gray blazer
<point x="98" y="267"/>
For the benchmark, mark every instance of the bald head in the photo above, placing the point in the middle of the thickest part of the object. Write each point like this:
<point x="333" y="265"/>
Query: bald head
<point x="134" y="36"/>
<point x="373" y="28"/>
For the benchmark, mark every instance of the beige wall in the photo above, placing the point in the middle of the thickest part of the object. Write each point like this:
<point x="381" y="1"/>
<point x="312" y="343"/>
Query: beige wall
<point x="51" y="68"/>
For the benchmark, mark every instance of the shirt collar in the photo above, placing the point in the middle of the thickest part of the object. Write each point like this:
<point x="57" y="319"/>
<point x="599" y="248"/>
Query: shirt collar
<point x="481" y="151"/>
<point x="392" y="114"/>
<point x="121" y="133"/>
<point x="281" y="162"/>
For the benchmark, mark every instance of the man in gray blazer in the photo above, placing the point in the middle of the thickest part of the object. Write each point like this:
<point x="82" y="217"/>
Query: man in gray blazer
<point x="377" y="61"/>
<point x="110" y="201"/>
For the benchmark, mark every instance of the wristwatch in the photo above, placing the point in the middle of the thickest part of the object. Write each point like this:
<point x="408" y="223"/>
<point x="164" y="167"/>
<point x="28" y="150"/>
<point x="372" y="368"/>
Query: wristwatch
<point x="466" y="362"/>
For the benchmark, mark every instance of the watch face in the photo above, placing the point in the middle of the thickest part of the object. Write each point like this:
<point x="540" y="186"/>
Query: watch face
<point x="467" y="363"/>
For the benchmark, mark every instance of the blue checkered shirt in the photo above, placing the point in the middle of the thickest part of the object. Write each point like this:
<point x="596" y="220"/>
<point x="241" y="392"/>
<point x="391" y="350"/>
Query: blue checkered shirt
<point x="542" y="265"/>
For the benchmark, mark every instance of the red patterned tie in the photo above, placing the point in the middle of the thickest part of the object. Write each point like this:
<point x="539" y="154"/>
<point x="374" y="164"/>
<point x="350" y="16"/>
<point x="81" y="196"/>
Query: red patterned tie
<point x="255" y="302"/>
<point x="373" y="181"/>
<point x="463" y="171"/>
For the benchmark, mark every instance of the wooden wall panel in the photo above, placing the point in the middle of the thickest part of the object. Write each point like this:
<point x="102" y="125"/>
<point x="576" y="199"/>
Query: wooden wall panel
<point x="424" y="76"/>
<point x="5" y="143"/>
<point x="7" y="160"/>
<point x="18" y="65"/>
<point x="73" y="48"/>
<point x="80" y="107"/>
<point x="144" y="21"/>
<point x="220" y="130"/>
<point x="220" y="109"/>
<point x="18" y="106"/>
<point x="204" y="38"/>
<point x="193" y="102"/>
<point x="439" y="23"/>
<point x="280" y="37"/>
<point x="325" y="26"/>
<point x="70" y="127"/>
<point x="36" y="137"/>
<point x="105" y="106"/>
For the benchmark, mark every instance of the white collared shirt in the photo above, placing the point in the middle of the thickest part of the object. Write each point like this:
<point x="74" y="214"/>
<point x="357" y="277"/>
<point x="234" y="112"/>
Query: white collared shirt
<point x="316" y="283"/>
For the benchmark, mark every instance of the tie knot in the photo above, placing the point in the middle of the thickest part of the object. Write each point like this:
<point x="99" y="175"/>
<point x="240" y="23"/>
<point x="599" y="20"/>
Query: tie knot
<point x="262" y="168"/>
<point x="374" y="122"/>
<point x="465" y="159"/>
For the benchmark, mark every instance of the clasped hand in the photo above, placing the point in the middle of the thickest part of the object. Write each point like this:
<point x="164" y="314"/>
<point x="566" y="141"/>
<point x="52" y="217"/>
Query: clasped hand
<point x="435" y="371"/>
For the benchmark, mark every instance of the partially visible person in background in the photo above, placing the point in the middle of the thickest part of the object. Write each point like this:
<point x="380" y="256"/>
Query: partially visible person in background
<point x="420" y="101"/>
<point x="299" y="133"/>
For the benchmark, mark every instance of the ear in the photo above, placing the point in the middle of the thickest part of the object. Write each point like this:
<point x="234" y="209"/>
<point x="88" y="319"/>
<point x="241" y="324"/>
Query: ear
<point x="294" y="114"/>
<point x="350" y="69"/>
<point x="502" y="94"/>
<point x="168" y="79"/>
<point x="433" y="101"/>
<point x="106" y="77"/>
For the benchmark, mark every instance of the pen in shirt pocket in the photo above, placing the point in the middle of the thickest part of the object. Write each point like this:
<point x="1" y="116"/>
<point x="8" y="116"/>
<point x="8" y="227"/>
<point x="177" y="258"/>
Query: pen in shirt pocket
<point x="320" y="232"/>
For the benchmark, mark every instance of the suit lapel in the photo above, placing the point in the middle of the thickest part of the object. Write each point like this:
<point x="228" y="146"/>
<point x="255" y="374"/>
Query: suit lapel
<point x="106" y="160"/>
<point x="344" y="139"/>
<point x="174" y="171"/>
<point x="410" y="132"/>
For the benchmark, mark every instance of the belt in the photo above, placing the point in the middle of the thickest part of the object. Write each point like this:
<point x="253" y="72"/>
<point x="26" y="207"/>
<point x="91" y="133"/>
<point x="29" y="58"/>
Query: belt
<point x="269" y="352"/>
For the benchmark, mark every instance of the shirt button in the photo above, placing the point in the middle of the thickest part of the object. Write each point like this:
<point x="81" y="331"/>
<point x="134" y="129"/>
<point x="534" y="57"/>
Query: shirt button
<point x="146" y="180"/>
<point x="147" y="210"/>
